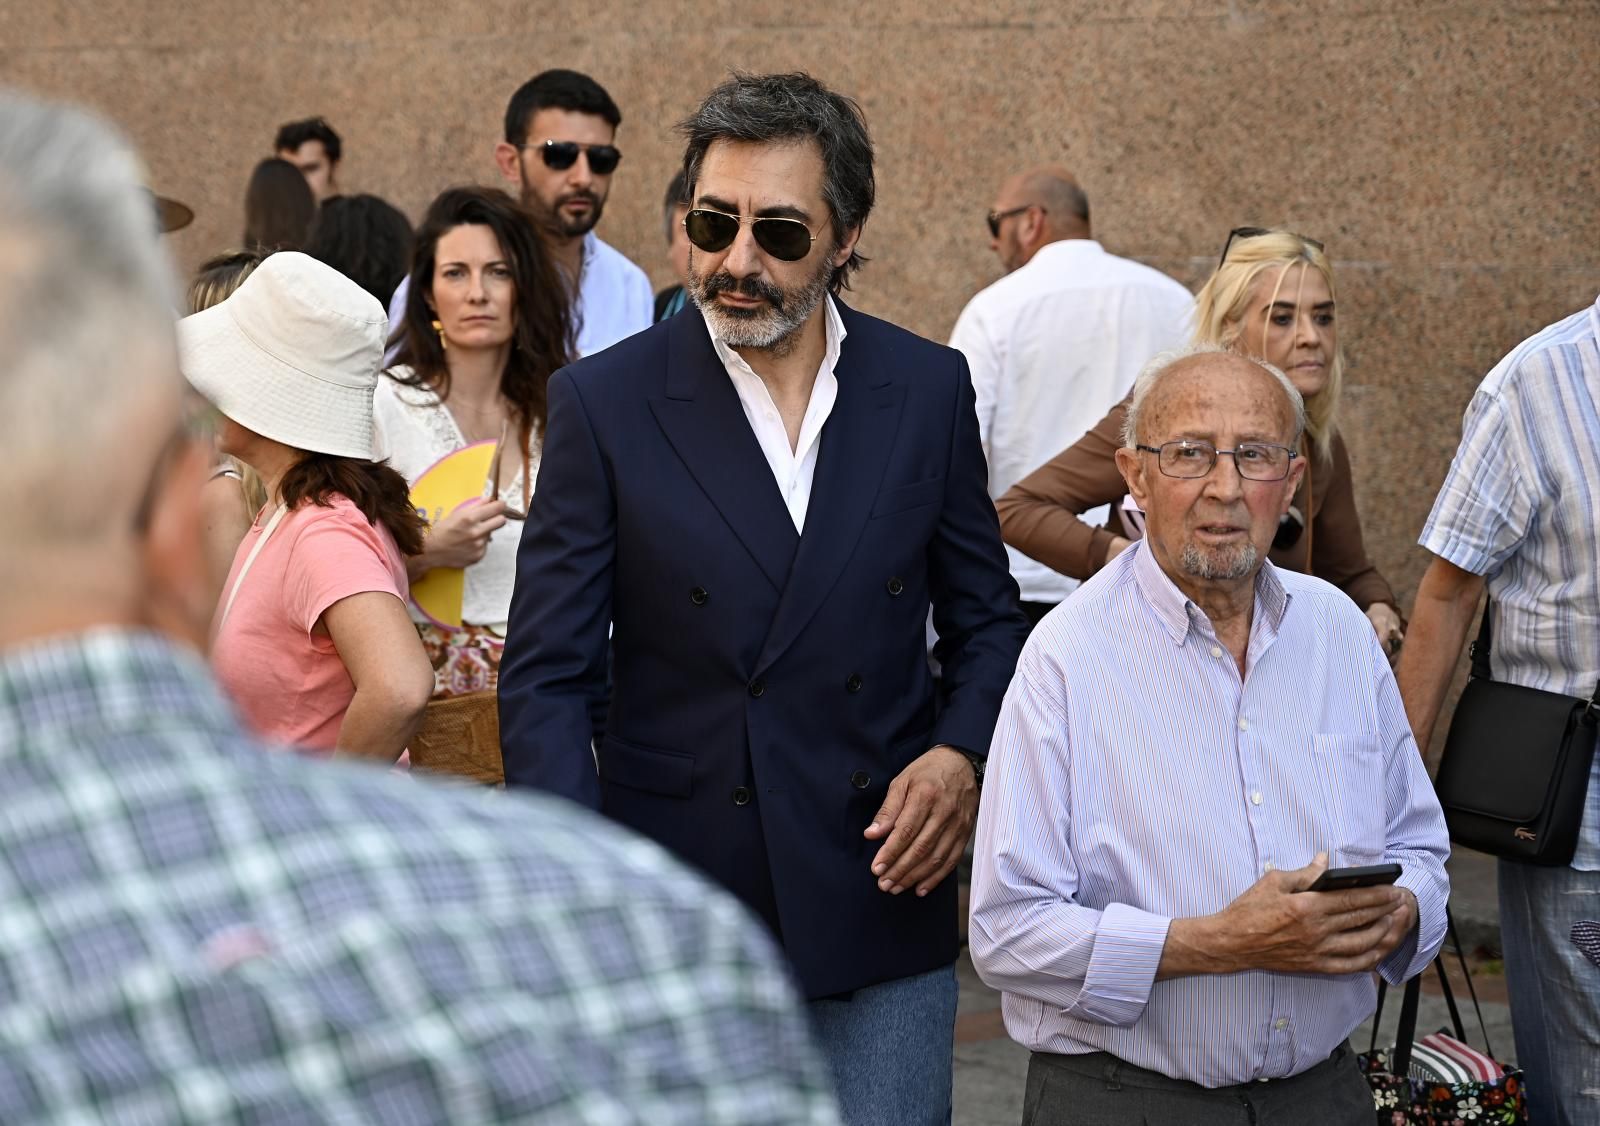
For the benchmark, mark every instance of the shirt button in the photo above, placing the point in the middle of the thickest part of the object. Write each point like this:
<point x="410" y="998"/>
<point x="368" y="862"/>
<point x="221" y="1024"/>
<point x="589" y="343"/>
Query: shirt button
<point x="860" y="780"/>
<point x="1216" y="651"/>
<point x="741" y="795"/>
<point x="1244" y="724"/>
<point x="1281" y="1023"/>
<point x="1255" y="798"/>
<point x="853" y="685"/>
<point x="1267" y="867"/>
<point x="895" y="586"/>
<point x="757" y="687"/>
<point x="698" y="596"/>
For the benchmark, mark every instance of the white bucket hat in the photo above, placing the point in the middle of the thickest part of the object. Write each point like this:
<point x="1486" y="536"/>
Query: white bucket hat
<point x="292" y="354"/>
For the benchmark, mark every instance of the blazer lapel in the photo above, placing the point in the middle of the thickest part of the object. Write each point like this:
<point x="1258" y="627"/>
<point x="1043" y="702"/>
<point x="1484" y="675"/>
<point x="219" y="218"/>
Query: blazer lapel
<point x="703" y="419"/>
<point x="854" y="452"/>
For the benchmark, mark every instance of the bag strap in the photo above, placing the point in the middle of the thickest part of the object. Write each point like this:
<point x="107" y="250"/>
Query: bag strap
<point x="1479" y="650"/>
<point x="1461" y="955"/>
<point x="1406" y="1034"/>
<point x="250" y="561"/>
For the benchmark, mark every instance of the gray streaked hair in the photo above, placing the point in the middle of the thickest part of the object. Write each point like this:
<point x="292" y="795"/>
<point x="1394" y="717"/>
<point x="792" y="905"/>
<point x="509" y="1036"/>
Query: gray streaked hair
<point x="1150" y="377"/>
<point x="87" y="299"/>
<point x="766" y="108"/>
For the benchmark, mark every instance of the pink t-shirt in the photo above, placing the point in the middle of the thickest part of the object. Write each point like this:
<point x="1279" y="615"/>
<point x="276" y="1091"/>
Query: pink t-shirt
<point x="290" y="684"/>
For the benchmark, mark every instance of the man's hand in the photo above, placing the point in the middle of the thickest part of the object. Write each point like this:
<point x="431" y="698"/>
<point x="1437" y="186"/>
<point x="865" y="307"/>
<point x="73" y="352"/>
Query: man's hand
<point x="928" y="816"/>
<point x="1386" y="622"/>
<point x="1277" y="925"/>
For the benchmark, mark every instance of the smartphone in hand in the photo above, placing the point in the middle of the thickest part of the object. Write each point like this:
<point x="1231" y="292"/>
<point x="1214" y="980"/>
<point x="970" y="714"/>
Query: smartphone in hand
<point x="1372" y="875"/>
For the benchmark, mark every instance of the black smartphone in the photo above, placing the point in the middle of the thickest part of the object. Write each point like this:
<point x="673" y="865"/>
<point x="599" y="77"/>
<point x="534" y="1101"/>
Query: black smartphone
<point x="1373" y="875"/>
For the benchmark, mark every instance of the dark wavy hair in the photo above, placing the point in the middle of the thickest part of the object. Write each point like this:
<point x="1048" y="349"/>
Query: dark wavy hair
<point x="542" y="336"/>
<point x="366" y="239"/>
<point x="379" y="492"/>
<point x="297" y="133"/>
<point x="278" y="207"/>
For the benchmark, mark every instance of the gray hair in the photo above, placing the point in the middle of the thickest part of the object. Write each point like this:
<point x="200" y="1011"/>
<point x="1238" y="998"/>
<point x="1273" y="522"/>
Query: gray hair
<point x="87" y="301"/>
<point x="1157" y="369"/>
<point x="763" y="108"/>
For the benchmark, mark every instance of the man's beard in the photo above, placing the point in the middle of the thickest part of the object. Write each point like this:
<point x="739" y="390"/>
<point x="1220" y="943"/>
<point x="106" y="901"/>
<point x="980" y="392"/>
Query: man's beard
<point x="555" y="220"/>
<point x="773" y="327"/>
<point x="1218" y="563"/>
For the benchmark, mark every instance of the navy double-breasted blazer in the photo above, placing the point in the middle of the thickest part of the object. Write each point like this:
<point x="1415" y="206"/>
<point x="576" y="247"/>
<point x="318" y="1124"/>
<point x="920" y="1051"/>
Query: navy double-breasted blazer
<point x="767" y="685"/>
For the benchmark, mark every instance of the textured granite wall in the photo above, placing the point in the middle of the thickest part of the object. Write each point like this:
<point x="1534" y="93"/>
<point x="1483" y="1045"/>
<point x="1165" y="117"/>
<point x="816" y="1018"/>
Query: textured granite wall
<point x="1447" y="153"/>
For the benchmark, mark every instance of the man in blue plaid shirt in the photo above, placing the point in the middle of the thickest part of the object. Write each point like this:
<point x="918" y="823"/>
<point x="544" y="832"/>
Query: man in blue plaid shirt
<point x="195" y="929"/>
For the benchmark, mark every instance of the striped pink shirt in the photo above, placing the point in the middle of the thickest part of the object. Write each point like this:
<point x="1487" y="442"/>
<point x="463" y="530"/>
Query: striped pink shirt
<point x="1134" y="779"/>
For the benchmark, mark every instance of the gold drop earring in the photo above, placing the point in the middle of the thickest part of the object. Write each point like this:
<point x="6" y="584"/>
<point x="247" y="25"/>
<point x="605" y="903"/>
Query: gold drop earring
<point x="439" y="328"/>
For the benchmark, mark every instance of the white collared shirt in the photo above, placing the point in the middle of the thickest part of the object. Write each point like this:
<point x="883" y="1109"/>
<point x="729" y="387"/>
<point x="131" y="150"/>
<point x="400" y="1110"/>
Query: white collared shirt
<point x="1052" y="347"/>
<point x="793" y="468"/>
<point x="614" y="300"/>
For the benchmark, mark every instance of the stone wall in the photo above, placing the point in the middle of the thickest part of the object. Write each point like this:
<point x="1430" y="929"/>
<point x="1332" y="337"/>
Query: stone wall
<point x="1446" y="153"/>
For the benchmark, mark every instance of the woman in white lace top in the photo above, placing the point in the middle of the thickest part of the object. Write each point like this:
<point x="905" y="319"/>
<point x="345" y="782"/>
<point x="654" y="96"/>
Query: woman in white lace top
<point x="487" y="322"/>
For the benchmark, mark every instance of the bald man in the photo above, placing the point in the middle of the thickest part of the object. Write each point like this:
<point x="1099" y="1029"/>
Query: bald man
<point x="1056" y="343"/>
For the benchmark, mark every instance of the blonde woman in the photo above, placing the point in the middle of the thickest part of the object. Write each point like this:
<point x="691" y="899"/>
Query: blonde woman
<point x="1272" y="296"/>
<point x="234" y="494"/>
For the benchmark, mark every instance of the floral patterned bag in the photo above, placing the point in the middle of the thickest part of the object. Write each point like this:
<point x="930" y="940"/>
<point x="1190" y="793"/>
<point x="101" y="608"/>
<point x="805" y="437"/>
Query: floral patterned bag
<point x="1438" y="1080"/>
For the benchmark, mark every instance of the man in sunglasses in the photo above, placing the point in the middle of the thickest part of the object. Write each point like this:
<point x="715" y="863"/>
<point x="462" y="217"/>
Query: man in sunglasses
<point x="1056" y="343"/>
<point x="763" y="496"/>
<point x="560" y="152"/>
<point x="203" y="928"/>
<point x="1191" y="740"/>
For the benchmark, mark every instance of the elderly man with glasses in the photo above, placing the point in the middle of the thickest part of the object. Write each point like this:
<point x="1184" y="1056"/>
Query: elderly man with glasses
<point x="1189" y="744"/>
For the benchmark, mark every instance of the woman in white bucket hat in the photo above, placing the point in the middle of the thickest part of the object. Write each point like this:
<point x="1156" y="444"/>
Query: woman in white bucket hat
<point x="312" y="638"/>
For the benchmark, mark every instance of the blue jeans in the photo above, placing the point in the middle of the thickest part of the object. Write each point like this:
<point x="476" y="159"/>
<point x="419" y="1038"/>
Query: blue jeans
<point x="1555" y="990"/>
<point x="890" y="1048"/>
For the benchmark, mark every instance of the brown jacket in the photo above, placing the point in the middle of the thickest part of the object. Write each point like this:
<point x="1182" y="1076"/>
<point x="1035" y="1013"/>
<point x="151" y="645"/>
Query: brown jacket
<point x="1039" y="515"/>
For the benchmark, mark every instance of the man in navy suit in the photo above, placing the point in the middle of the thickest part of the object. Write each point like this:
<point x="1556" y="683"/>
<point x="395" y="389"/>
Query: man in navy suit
<point x="762" y="496"/>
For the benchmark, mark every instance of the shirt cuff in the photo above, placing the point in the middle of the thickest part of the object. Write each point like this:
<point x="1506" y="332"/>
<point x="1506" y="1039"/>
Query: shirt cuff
<point x="1422" y="945"/>
<point x="1127" y="952"/>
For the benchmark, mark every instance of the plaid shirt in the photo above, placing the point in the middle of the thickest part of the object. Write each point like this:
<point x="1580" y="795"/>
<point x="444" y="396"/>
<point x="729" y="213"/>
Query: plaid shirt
<point x="195" y="930"/>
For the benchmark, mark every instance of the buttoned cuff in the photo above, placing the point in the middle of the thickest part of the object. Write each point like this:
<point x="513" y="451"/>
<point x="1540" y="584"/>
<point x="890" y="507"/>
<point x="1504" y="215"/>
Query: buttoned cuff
<point x="1422" y="945"/>
<point x="1127" y="952"/>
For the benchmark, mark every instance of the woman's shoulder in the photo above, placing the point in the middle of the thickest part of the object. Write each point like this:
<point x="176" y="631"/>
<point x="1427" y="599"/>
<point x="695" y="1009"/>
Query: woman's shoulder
<point x="398" y="386"/>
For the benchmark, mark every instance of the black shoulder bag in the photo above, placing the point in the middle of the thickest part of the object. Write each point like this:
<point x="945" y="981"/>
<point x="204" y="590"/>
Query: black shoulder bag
<point x="1516" y="766"/>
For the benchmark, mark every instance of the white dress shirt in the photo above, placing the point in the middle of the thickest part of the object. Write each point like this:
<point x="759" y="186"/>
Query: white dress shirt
<point x="1053" y="346"/>
<point x="792" y="467"/>
<point x="1135" y="777"/>
<point x="614" y="300"/>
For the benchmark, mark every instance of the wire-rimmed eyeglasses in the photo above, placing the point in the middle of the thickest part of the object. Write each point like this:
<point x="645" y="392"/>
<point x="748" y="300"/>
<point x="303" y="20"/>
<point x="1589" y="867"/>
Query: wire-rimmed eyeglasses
<point x="1189" y="458"/>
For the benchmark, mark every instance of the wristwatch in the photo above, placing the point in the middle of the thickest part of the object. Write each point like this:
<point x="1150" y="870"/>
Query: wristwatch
<point x="978" y="763"/>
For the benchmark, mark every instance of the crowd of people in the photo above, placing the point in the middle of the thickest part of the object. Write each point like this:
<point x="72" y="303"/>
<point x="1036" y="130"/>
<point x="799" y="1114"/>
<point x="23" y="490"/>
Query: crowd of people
<point x="815" y="605"/>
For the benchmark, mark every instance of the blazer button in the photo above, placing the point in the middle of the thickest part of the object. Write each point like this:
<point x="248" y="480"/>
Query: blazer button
<point x="741" y="795"/>
<point x="861" y="779"/>
<point x="757" y="687"/>
<point x="896" y="586"/>
<point x="853" y="685"/>
<point x="698" y="596"/>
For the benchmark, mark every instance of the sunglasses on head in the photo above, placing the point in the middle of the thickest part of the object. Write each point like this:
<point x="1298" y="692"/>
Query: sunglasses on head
<point x="1242" y="233"/>
<point x="787" y="240"/>
<point x="561" y="155"/>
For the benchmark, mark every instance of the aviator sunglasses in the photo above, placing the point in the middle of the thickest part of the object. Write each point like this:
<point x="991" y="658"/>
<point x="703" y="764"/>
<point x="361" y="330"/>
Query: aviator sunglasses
<point x="787" y="240"/>
<point x="1241" y="233"/>
<point x="561" y="155"/>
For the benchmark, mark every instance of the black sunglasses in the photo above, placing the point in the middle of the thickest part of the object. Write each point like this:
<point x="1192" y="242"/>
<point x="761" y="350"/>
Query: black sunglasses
<point x="997" y="217"/>
<point x="787" y="240"/>
<point x="1257" y="232"/>
<point x="561" y="155"/>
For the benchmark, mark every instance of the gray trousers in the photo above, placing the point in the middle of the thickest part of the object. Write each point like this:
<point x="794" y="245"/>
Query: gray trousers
<point x="1100" y="1090"/>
